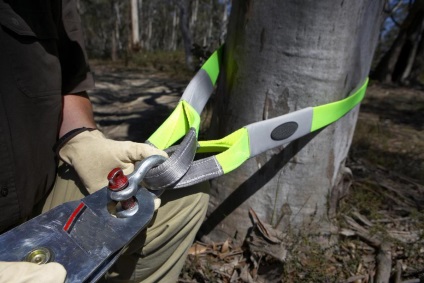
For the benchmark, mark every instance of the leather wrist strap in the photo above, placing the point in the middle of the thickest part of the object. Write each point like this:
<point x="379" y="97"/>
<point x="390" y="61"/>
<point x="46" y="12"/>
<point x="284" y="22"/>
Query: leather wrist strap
<point x="68" y="136"/>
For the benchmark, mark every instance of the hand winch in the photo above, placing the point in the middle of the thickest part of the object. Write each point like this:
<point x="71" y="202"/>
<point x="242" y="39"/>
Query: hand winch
<point x="86" y="236"/>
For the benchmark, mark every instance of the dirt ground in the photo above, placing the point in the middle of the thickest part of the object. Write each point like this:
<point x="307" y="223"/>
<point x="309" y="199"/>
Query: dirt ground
<point x="129" y="104"/>
<point x="380" y="219"/>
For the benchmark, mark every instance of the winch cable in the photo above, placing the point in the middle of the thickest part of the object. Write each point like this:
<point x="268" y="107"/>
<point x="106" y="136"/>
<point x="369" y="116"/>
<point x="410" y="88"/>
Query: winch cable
<point x="234" y="149"/>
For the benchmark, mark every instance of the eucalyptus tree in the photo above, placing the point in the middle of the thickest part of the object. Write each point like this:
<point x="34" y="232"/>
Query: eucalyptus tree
<point x="282" y="56"/>
<point x="135" y="30"/>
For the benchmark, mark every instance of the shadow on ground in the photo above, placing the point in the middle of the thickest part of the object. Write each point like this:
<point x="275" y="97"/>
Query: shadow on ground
<point x="385" y="202"/>
<point x="403" y="106"/>
<point x="131" y="105"/>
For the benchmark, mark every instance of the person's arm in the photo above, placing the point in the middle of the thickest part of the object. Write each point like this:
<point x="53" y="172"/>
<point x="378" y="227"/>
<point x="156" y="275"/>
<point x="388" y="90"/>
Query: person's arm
<point x="77" y="113"/>
<point x="86" y="149"/>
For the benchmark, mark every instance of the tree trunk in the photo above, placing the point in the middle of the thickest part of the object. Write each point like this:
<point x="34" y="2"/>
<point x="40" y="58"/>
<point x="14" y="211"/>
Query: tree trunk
<point x="414" y="41"/>
<point x="185" y="31"/>
<point x="207" y="37"/>
<point x="393" y="66"/>
<point x="224" y="22"/>
<point x="418" y="66"/>
<point x="193" y="18"/>
<point x="210" y="24"/>
<point x="409" y="49"/>
<point x="116" y="41"/>
<point x="135" y="31"/>
<point x="140" y="20"/>
<point x="173" y="44"/>
<point x="281" y="57"/>
<point x="149" y="27"/>
<point x="384" y="70"/>
<point x="113" y="52"/>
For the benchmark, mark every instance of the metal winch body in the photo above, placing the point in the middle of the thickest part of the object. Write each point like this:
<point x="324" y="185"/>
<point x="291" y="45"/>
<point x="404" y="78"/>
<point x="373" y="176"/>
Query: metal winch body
<point x="85" y="236"/>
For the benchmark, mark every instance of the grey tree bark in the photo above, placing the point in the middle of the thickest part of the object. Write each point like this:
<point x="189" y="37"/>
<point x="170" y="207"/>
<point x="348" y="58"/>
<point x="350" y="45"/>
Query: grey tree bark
<point x="148" y="21"/>
<point x="207" y="36"/>
<point x="135" y="30"/>
<point x="173" y="43"/>
<point x="194" y="14"/>
<point x="282" y="56"/>
<point x="116" y="44"/>
<point x="418" y="65"/>
<point x="224" y="22"/>
<point x="185" y="32"/>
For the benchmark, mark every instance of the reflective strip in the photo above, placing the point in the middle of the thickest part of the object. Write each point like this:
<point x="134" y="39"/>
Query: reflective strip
<point x="176" y="166"/>
<point x="200" y="171"/>
<point x="187" y="113"/>
<point x="73" y="216"/>
<point x="198" y="91"/>
<point x="292" y="126"/>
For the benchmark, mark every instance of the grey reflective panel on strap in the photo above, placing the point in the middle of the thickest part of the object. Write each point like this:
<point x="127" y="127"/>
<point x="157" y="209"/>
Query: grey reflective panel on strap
<point x="278" y="131"/>
<point x="180" y="170"/>
<point x="172" y="170"/>
<point x="201" y="170"/>
<point x="198" y="90"/>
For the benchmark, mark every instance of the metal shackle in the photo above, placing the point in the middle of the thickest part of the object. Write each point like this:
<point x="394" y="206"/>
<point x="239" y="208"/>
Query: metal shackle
<point x="122" y="188"/>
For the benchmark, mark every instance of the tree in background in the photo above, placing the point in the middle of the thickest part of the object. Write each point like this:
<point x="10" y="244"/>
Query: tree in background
<point x="135" y="30"/>
<point x="282" y="56"/>
<point x="403" y="62"/>
<point x="185" y="31"/>
<point x="105" y="26"/>
<point x="115" y="28"/>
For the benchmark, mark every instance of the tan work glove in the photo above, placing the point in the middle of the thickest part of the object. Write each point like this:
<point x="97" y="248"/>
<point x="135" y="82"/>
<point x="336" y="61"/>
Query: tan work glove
<point x="20" y="272"/>
<point x="93" y="156"/>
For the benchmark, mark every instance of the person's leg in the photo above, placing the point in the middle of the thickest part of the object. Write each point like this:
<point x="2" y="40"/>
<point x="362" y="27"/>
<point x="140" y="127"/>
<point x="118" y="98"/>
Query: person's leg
<point x="67" y="187"/>
<point x="158" y="253"/>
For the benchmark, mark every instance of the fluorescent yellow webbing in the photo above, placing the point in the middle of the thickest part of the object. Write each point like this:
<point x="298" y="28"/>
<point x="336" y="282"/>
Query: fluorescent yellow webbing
<point x="234" y="149"/>
<point x="211" y="66"/>
<point x="184" y="115"/>
<point x="331" y="112"/>
<point x="176" y="126"/>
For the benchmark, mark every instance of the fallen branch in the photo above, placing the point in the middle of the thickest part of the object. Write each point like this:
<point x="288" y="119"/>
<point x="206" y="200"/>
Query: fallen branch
<point x="398" y="278"/>
<point x="384" y="262"/>
<point x="355" y="278"/>
<point x="384" y="254"/>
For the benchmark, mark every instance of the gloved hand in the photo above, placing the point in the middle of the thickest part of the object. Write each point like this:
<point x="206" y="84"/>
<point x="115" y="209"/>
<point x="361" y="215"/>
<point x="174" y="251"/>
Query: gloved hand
<point x="20" y="272"/>
<point x="93" y="156"/>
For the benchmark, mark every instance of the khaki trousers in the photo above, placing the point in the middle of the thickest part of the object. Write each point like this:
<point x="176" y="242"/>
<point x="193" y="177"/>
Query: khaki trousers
<point x="158" y="253"/>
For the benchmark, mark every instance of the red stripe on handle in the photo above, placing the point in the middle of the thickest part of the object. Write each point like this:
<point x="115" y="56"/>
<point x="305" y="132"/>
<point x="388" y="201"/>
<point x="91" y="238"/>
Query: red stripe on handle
<point x="73" y="216"/>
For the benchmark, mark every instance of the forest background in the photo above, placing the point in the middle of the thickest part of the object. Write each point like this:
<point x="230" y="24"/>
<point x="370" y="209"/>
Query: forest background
<point x="381" y="216"/>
